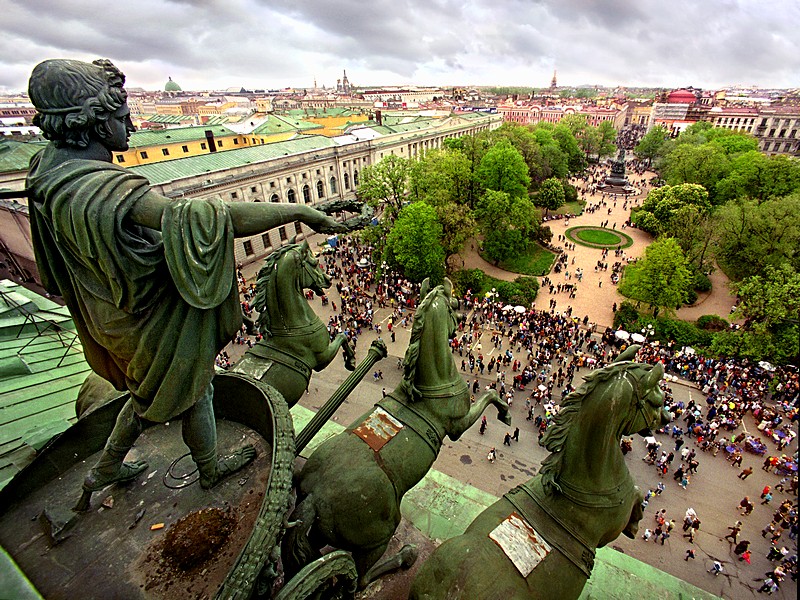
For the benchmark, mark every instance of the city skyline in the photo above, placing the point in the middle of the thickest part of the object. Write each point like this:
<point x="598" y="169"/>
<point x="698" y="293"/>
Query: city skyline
<point x="214" y="45"/>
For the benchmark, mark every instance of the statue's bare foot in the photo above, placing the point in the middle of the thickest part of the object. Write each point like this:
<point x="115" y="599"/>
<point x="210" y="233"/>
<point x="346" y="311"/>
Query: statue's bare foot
<point x="127" y="471"/>
<point x="228" y="464"/>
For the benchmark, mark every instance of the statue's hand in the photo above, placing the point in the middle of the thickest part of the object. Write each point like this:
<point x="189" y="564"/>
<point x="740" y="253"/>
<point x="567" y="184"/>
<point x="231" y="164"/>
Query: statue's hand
<point x="322" y="223"/>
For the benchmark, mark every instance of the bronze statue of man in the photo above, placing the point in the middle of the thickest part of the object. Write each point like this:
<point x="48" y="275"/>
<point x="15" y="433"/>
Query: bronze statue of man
<point x="150" y="282"/>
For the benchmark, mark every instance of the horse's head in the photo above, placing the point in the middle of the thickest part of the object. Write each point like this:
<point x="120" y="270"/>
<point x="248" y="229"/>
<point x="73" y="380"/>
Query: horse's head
<point x="429" y="368"/>
<point x="281" y="281"/>
<point x="310" y="276"/>
<point x="647" y="410"/>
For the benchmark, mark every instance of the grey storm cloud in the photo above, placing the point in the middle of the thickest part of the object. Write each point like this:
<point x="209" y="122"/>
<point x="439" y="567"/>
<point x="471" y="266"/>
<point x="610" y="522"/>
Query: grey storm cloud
<point x="206" y="44"/>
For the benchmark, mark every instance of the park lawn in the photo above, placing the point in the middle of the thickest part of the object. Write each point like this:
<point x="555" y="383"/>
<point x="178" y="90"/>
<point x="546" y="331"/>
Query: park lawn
<point x="536" y="261"/>
<point x="595" y="236"/>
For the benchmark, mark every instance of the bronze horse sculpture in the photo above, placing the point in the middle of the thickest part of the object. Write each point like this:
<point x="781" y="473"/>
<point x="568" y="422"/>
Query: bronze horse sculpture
<point x="539" y="540"/>
<point x="295" y="340"/>
<point x="349" y="490"/>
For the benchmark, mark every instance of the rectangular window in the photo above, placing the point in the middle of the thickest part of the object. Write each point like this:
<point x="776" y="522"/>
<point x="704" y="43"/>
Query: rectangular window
<point x="254" y="140"/>
<point x="234" y="195"/>
<point x="317" y="171"/>
<point x="253" y="189"/>
<point x="266" y="241"/>
<point x="219" y="143"/>
<point x="304" y="176"/>
<point x="185" y="149"/>
<point x="271" y="184"/>
<point x="235" y="142"/>
<point x="203" y="146"/>
<point x="143" y="154"/>
<point x="297" y="228"/>
<point x="282" y="233"/>
<point x="288" y="180"/>
<point x="248" y="248"/>
<point x="165" y="151"/>
<point x="767" y="146"/>
<point x="120" y="158"/>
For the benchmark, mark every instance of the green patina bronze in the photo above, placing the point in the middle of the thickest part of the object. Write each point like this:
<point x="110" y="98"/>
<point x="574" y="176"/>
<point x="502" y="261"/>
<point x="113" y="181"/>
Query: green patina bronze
<point x="295" y="340"/>
<point x="539" y="540"/>
<point x="387" y="451"/>
<point x="150" y="282"/>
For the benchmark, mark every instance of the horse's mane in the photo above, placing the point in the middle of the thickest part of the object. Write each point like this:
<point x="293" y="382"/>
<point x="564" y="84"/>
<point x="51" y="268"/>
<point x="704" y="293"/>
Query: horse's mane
<point x="557" y="433"/>
<point x="265" y="276"/>
<point x="412" y="352"/>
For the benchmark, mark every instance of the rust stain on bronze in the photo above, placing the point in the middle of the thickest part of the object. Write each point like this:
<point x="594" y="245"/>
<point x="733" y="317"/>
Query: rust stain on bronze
<point x="378" y="428"/>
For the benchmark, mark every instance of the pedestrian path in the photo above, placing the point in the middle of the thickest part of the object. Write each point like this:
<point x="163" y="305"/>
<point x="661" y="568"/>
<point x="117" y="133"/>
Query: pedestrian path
<point x="596" y="294"/>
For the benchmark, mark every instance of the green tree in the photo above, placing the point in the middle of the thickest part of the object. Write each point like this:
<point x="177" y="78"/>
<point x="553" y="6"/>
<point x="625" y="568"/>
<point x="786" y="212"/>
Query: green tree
<point x="768" y="304"/>
<point x="661" y="278"/>
<point x="704" y="164"/>
<point x="386" y="182"/>
<point x="607" y="135"/>
<point x="576" y="161"/>
<point x="413" y="244"/>
<point x="440" y="177"/>
<point x="551" y="195"/>
<point x="652" y="142"/>
<point x="752" y="236"/>
<point x="503" y="169"/>
<point x="508" y="224"/>
<point x="458" y="226"/>
<point x="759" y="177"/>
<point x="665" y="202"/>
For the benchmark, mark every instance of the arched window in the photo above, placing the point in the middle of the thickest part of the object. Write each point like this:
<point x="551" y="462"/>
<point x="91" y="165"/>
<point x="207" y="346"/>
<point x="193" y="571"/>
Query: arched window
<point x="333" y="185"/>
<point x="274" y="198"/>
<point x="347" y="181"/>
<point x="320" y="190"/>
<point x="355" y="178"/>
<point x="290" y="196"/>
<point x="306" y="194"/>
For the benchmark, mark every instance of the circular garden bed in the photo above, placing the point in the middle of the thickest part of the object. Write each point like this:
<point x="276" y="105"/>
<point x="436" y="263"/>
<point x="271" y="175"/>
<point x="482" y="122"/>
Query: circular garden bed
<point x="598" y="237"/>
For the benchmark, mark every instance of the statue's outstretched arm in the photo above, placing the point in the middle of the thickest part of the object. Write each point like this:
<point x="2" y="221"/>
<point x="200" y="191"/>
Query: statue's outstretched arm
<point x="248" y="218"/>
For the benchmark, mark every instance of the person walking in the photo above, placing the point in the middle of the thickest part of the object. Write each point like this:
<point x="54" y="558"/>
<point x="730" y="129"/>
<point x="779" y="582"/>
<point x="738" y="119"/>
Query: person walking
<point x="492" y="456"/>
<point x="515" y="437"/>
<point x="716" y="568"/>
<point x="745" y="473"/>
<point x="734" y="534"/>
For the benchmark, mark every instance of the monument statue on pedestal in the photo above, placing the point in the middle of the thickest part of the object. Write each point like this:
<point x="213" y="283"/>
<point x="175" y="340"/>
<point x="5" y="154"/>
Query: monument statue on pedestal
<point x="617" y="182"/>
<point x="150" y="282"/>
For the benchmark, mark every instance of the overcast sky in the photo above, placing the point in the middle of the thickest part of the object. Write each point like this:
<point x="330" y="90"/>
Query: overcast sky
<point x="215" y="44"/>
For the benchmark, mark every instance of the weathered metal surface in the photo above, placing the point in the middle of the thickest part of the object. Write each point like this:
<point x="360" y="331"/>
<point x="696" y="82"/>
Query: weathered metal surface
<point x="521" y="543"/>
<point x="378" y="429"/>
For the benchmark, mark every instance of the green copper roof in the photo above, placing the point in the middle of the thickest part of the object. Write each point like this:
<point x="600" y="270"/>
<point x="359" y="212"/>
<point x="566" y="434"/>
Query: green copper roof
<point x="281" y="124"/>
<point x="299" y="113"/>
<point x="178" y="135"/>
<point x="41" y="370"/>
<point x="15" y="156"/>
<point x="171" y="170"/>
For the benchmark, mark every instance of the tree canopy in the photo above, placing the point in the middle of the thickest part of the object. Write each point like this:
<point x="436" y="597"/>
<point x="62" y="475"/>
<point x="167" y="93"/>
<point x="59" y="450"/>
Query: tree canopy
<point x="413" y="244"/>
<point x="661" y="278"/>
<point x="768" y="303"/>
<point x="503" y="169"/>
<point x="385" y="181"/>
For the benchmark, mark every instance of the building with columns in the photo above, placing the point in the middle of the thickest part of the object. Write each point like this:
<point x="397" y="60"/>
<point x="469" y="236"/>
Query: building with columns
<point x="307" y="169"/>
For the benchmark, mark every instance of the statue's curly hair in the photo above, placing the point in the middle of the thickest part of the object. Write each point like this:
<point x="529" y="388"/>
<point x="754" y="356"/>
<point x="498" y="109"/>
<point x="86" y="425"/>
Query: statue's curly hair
<point x="73" y="98"/>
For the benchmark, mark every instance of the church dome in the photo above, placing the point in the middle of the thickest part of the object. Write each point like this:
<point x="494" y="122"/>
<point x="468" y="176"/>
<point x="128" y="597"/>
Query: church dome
<point x="681" y="97"/>
<point x="172" y="86"/>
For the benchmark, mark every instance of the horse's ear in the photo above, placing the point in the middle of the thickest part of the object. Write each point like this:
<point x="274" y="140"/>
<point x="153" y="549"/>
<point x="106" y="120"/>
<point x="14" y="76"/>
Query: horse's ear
<point x="654" y="376"/>
<point x="304" y="246"/>
<point x="629" y="354"/>
<point x="425" y="288"/>
<point x="293" y="239"/>
<point x="448" y="287"/>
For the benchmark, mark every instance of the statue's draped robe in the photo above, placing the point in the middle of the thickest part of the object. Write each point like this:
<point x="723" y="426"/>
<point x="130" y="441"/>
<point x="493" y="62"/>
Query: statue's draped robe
<point x="152" y="311"/>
